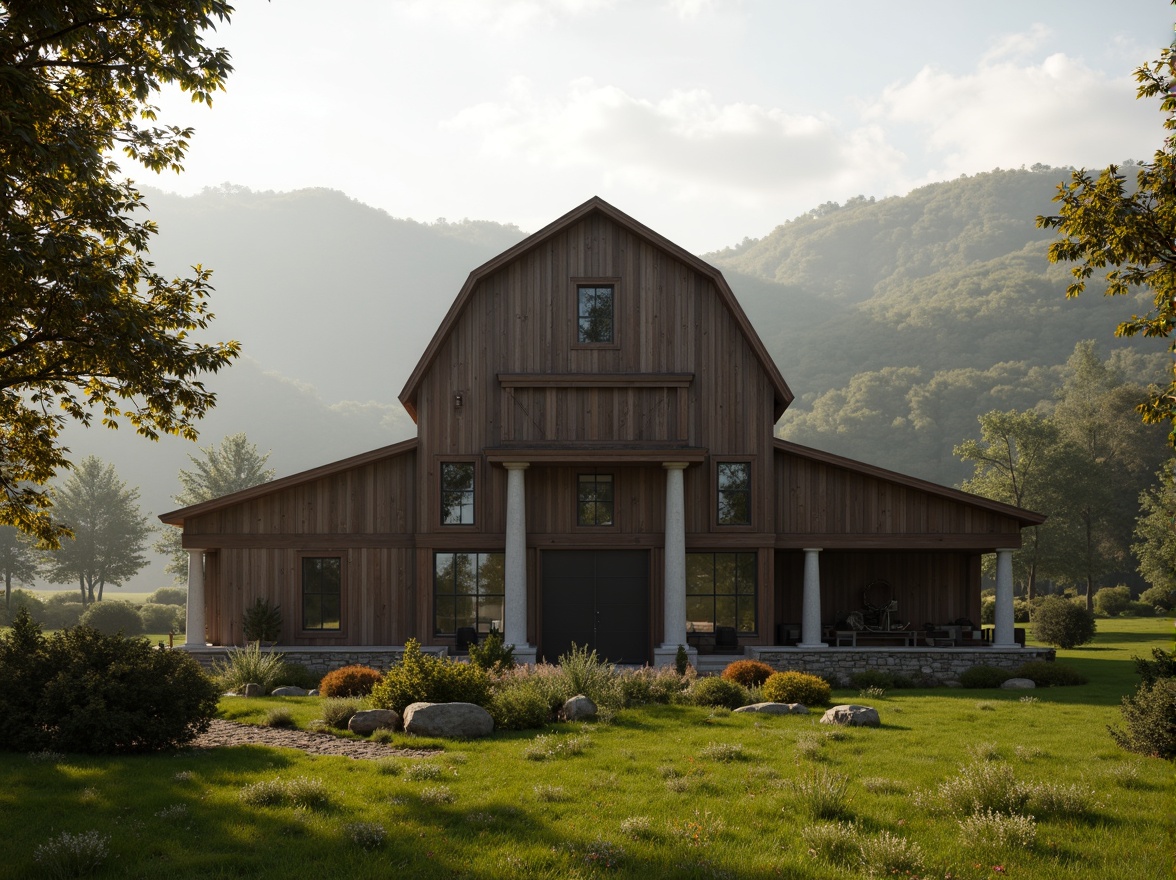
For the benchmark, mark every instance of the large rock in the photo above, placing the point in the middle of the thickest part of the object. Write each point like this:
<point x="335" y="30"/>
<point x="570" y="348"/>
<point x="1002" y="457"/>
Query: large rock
<point x="1019" y="684"/>
<point x="578" y="708"/>
<point x="289" y="691"/>
<point x="253" y="690"/>
<point x="367" y="721"/>
<point x="776" y="708"/>
<point x="455" y="720"/>
<point x="852" y="716"/>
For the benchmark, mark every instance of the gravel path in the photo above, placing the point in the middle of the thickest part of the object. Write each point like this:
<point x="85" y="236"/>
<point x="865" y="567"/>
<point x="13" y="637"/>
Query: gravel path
<point x="231" y="733"/>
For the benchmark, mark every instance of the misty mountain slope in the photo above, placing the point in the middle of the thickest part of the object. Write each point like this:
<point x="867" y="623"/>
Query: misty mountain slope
<point x="320" y="287"/>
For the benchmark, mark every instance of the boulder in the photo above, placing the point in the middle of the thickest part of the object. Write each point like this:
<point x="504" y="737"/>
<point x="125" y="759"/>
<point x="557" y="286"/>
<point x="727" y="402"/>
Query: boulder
<point x="456" y="720"/>
<point x="1019" y="684"/>
<point x="289" y="691"/>
<point x="368" y="721"/>
<point x="852" y="716"/>
<point x="776" y="708"/>
<point x="253" y="690"/>
<point x="578" y="708"/>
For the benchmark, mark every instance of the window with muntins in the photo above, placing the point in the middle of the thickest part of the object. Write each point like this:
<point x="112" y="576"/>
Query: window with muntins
<point x="457" y="493"/>
<point x="322" y="581"/>
<point x="734" y="493"/>
<point x="469" y="590"/>
<point x="721" y="591"/>
<point x="594" y="500"/>
<point x="595" y="316"/>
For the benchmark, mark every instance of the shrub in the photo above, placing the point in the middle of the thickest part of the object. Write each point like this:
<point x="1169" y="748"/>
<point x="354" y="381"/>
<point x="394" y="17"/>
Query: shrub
<point x="988" y="609"/>
<point x="248" y="665"/>
<point x="984" y="677"/>
<point x="1043" y="673"/>
<point x="296" y="675"/>
<point x="262" y="621"/>
<point x="349" y="681"/>
<point x="716" y="691"/>
<point x="1063" y="623"/>
<point x="112" y="616"/>
<point x="492" y="655"/>
<point x="1150" y="716"/>
<point x="1022" y="611"/>
<point x="1138" y="609"/>
<point x="1112" y="601"/>
<point x="796" y="687"/>
<point x="1162" y="665"/>
<point x="749" y="673"/>
<point x="638" y="687"/>
<point x="62" y="610"/>
<point x="22" y="599"/>
<point x="421" y="677"/>
<point x="872" y="678"/>
<point x="518" y="704"/>
<point x="83" y="691"/>
<point x="337" y="711"/>
<point x="681" y="660"/>
<point x="981" y="786"/>
<point x="169" y="596"/>
<point x="1163" y="598"/>
<point x="159" y="618"/>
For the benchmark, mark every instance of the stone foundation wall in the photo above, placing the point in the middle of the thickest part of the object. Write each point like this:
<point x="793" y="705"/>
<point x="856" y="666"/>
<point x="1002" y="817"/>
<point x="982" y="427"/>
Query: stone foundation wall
<point x="322" y="660"/>
<point x="930" y="667"/>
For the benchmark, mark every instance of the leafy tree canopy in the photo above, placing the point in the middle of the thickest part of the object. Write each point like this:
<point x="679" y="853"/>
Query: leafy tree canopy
<point x="1156" y="530"/>
<point x="86" y="324"/>
<point x="1128" y="230"/>
<point x="109" y="532"/>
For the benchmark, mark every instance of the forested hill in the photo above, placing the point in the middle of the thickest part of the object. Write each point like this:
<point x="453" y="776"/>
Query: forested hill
<point x="898" y="322"/>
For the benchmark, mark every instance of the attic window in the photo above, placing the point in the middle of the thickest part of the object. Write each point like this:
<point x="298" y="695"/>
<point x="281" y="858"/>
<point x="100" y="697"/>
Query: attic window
<point x="595" y="315"/>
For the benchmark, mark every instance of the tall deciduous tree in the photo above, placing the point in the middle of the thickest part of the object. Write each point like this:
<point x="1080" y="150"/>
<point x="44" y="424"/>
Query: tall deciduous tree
<point x="1128" y="230"/>
<point x="1016" y="461"/>
<point x="1156" y="530"/>
<point x="227" y="467"/>
<point x="18" y="560"/>
<point x="87" y="326"/>
<point x="109" y="532"/>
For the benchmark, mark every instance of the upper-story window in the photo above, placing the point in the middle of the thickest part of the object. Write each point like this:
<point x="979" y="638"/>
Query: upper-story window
<point x="594" y="500"/>
<point x="457" y="493"/>
<point x="595" y="314"/>
<point x="734" y="493"/>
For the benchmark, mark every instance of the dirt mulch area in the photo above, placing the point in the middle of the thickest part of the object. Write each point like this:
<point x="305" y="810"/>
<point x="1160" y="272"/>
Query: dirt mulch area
<point x="231" y="733"/>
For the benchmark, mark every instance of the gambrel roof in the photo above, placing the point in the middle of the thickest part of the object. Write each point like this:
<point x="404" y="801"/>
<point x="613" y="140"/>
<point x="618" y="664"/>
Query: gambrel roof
<point x="596" y="205"/>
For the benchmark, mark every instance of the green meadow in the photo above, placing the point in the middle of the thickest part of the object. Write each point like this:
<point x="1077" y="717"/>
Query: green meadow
<point x="945" y="788"/>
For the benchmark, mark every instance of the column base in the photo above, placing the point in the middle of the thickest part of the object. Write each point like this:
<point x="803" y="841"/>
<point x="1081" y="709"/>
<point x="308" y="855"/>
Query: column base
<point x="525" y="655"/>
<point x="667" y="655"/>
<point x="812" y="645"/>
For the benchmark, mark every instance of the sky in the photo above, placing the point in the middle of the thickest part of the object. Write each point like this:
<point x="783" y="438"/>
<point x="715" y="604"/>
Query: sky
<point x="707" y="120"/>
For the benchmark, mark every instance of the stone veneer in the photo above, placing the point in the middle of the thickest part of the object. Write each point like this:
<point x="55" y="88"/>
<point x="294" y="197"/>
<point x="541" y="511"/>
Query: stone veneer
<point x="322" y="660"/>
<point x="931" y="667"/>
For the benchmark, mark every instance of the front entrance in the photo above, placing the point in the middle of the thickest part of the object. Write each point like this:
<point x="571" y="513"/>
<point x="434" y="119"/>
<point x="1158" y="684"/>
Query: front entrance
<point x="598" y="599"/>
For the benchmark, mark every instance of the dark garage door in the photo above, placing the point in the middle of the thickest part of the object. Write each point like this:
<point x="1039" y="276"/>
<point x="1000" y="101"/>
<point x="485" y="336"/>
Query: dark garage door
<point x="598" y="599"/>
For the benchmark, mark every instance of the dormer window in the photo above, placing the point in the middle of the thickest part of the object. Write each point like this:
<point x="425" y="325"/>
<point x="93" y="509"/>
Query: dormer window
<point x="595" y="314"/>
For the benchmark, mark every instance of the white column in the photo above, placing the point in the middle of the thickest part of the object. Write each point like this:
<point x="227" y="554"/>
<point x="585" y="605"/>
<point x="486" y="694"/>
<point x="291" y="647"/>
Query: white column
<point x="194" y="638"/>
<point x="515" y="613"/>
<point x="674" y="599"/>
<point x="1003" y="634"/>
<point x="810" y="624"/>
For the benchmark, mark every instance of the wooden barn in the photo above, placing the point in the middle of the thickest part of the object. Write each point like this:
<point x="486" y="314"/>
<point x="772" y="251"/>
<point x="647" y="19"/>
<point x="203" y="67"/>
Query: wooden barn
<point x="595" y="464"/>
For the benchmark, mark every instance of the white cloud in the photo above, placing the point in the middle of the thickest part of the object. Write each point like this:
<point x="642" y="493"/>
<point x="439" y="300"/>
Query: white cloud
<point x="1007" y="114"/>
<point x="685" y="141"/>
<point x="505" y="16"/>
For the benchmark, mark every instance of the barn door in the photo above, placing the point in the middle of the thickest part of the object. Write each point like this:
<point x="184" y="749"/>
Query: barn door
<point x="598" y="599"/>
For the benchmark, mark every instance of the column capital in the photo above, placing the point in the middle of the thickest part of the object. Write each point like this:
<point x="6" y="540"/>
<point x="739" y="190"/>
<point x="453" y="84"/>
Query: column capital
<point x="1007" y="549"/>
<point x="813" y="549"/>
<point x="516" y="465"/>
<point x="675" y="465"/>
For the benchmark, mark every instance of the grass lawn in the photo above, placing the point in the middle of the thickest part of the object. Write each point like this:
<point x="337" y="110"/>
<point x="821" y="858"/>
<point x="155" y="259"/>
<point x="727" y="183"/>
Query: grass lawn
<point x="664" y="791"/>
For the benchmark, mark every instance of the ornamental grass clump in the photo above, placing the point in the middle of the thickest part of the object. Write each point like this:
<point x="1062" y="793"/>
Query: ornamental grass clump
<point x="723" y="753"/>
<point x="585" y="673"/>
<point x="72" y="855"/>
<point x="984" y="677"/>
<point x="823" y="793"/>
<point x="749" y="673"/>
<point x="337" y="711"/>
<point x="989" y="829"/>
<point x="301" y="792"/>
<point x="981" y="786"/>
<point x="519" y="702"/>
<point x="797" y="687"/>
<point x="249" y="665"/>
<point x="890" y="855"/>
<point x="279" y="717"/>
<point x="349" y="681"/>
<point x="366" y="835"/>
<point x="834" y="842"/>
